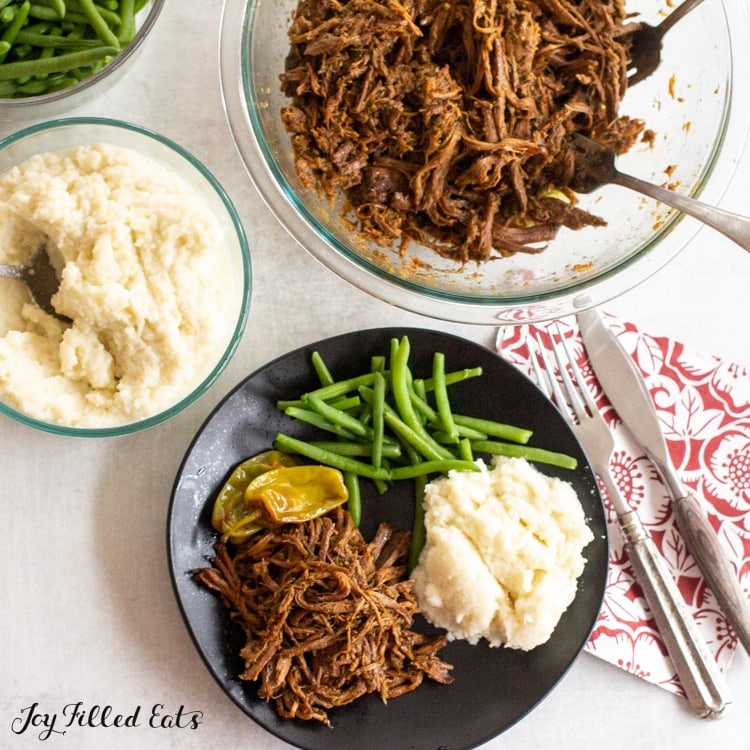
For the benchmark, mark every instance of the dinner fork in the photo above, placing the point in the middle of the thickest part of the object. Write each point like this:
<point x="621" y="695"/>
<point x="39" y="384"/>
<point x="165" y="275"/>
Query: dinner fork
<point x="703" y="682"/>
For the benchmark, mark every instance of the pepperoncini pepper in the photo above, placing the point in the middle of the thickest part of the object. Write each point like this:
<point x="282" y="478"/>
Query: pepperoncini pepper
<point x="231" y="516"/>
<point x="271" y="489"/>
<point x="296" y="493"/>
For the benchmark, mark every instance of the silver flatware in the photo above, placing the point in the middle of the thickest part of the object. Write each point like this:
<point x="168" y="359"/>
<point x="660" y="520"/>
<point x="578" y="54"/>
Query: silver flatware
<point x="40" y="277"/>
<point x="626" y="390"/>
<point x="646" y="43"/>
<point x="595" y="166"/>
<point x="702" y="680"/>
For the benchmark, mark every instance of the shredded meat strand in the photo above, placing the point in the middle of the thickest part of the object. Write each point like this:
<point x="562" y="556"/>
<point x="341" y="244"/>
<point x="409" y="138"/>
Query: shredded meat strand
<point x="448" y="122"/>
<point x="326" y="616"/>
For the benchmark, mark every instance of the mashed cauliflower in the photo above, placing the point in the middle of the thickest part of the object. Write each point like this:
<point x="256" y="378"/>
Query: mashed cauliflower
<point x="144" y="278"/>
<point x="503" y="554"/>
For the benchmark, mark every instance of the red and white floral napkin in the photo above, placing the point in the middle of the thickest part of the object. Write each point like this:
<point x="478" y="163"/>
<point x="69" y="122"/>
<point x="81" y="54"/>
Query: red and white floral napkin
<point x="703" y="405"/>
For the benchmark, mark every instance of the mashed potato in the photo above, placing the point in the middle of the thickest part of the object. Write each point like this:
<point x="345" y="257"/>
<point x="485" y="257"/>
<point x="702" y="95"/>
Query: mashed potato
<point x="503" y="554"/>
<point x="144" y="278"/>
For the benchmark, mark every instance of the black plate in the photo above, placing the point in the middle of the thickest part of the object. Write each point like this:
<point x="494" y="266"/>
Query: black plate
<point x="493" y="688"/>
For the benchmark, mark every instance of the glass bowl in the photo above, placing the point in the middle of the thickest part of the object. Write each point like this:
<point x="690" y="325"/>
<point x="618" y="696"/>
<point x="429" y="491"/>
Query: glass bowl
<point x="691" y="102"/>
<point x="64" y="101"/>
<point x="65" y="134"/>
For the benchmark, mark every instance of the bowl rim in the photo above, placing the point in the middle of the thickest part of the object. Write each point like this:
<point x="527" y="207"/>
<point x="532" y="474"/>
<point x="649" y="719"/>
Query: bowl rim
<point x="30" y="103"/>
<point x="673" y="235"/>
<point x="199" y="389"/>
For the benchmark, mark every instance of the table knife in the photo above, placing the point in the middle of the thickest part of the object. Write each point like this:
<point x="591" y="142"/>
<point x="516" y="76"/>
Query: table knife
<point x="626" y="390"/>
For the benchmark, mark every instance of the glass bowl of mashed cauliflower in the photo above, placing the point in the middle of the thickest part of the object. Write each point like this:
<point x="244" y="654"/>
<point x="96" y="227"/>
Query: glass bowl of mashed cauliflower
<point x="57" y="63"/>
<point x="154" y="270"/>
<point x="408" y="150"/>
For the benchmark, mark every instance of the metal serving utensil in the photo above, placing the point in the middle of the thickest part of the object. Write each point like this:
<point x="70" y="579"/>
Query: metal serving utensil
<point x="704" y="684"/>
<point x="627" y="392"/>
<point x="646" y="43"/>
<point x="40" y="277"/>
<point x="595" y="166"/>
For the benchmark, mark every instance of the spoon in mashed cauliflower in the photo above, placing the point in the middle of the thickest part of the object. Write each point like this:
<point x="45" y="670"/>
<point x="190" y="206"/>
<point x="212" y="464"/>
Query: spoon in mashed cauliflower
<point x="39" y="275"/>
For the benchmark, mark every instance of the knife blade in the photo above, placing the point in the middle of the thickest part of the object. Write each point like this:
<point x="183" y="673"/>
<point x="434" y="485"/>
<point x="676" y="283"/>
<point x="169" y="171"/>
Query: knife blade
<point x="626" y="390"/>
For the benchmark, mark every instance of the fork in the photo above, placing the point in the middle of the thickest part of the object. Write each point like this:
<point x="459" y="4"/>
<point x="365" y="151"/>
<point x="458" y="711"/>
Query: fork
<point x="646" y="43"/>
<point x="703" y="682"/>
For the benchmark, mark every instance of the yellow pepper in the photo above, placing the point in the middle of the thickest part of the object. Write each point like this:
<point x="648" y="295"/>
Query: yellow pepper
<point x="231" y="517"/>
<point x="270" y="489"/>
<point x="295" y="494"/>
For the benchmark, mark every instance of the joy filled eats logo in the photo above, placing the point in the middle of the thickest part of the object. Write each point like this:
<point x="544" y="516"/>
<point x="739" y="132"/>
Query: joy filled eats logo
<point x="34" y="719"/>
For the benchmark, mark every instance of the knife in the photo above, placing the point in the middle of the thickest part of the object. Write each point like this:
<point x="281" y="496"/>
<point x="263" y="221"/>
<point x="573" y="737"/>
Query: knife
<point x="627" y="392"/>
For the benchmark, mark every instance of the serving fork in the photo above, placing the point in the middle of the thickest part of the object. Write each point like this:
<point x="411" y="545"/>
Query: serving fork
<point x="703" y="682"/>
<point x="646" y="43"/>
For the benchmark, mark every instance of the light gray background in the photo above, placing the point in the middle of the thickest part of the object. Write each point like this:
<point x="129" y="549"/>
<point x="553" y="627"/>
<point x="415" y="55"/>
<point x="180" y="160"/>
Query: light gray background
<point x="86" y="607"/>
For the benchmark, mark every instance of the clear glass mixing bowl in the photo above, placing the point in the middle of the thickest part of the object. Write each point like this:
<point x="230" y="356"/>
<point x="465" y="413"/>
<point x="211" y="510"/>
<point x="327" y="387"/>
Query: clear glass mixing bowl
<point x="67" y="133"/>
<point x="694" y="103"/>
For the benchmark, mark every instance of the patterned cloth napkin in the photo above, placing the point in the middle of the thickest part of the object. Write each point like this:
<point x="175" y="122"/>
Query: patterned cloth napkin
<point x="703" y="405"/>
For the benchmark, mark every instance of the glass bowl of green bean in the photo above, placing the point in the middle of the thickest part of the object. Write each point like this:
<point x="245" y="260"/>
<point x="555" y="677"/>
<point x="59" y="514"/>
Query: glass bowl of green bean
<point x="55" y="54"/>
<point x="322" y="101"/>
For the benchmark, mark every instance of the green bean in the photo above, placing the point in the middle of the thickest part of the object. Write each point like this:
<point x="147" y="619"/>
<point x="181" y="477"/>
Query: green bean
<point x="462" y="432"/>
<point x="110" y="17"/>
<point x="343" y="463"/>
<point x="441" y="466"/>
<point x="454" y="377"/>
<point x="405" y="433"/>
<point x="45" y="12"/>
<point x="56" y="41"/>
<point x="377" y="364"/>
<point x="100" y="26"/>
<point x="127" y="21"/>
<point x="342" y="387"/>
<point x="34" y="86"/>
<point x="441" y="397"/>
<point x="4" y="47"/>
<point x="465" y="451"/>
<point x="321" y="370"/>
<point x="494" y="429"/>
<point x="57" y="5"/>
<point x="405" y="409"/>
<point x="68" y="61"/>
<point x="11" y="33"/>
<point x="390" y="450"/>
<point x="345" y="404"/>
<point x="531" y="453"/>
<point x="337" y="417"/>
<point x="3" y="3"/>
<point x="316" y="420"/>
<point x="354" y="501"/>
<point x="418" y="530"/>
<point x="378" y="421"/>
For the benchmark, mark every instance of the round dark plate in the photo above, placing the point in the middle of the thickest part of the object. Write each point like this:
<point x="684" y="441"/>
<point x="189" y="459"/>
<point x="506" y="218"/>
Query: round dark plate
<point x="493" y="687"/>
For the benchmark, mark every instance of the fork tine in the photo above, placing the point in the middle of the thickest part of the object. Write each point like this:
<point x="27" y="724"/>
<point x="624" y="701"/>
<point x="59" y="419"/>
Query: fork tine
<point x="546" y="378"/>
<point x="583" y="389"/>
<point x="539" y="375"/>
<point x="577" y="394"/>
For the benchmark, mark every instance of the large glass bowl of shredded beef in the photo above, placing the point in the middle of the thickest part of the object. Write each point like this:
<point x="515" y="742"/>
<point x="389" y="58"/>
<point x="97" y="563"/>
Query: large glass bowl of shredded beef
<point x="422" y="149"/>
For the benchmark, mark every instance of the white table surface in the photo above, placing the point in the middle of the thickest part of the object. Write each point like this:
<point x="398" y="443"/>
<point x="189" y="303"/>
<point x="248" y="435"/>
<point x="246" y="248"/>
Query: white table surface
<point x="86" y="607"/>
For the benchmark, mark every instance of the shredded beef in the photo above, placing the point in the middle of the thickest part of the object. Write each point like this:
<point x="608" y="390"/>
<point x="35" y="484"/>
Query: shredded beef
<point x="448" y="122"/>
<point x="327" y="617"/>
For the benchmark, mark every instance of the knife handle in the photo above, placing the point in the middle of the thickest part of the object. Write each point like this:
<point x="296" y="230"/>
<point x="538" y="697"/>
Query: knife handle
<point x="704" y="545"/>
<point x="703" y="682"/>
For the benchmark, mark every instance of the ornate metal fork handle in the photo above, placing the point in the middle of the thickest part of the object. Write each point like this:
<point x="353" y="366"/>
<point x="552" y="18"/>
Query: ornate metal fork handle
<point x="703" y="682"/>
